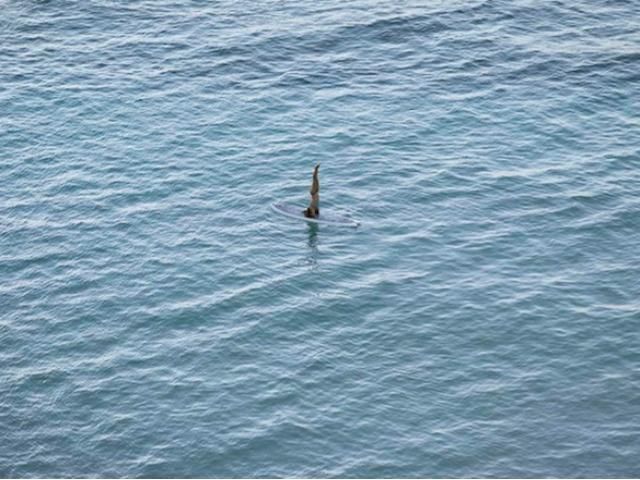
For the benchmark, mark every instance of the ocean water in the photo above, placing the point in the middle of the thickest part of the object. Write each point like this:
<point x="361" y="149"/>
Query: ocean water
<point x="158" y="319"/>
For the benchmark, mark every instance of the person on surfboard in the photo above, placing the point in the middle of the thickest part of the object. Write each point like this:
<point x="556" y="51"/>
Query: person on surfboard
<point x="313" y="210"/>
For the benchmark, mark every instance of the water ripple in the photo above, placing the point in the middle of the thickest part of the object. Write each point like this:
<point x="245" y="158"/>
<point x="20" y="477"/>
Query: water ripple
<point x="157" y="319"/>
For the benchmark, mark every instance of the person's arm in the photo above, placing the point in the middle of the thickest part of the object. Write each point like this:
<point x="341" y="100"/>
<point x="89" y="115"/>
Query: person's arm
<point x="315" y="186"/>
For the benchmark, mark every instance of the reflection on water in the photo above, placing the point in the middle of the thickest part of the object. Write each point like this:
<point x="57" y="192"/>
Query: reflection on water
<point x="312" y="242"/>
<point x="313" y="235"/>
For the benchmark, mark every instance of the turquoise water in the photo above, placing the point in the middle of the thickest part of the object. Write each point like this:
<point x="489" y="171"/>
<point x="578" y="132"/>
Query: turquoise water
<point x="157" y="318"/>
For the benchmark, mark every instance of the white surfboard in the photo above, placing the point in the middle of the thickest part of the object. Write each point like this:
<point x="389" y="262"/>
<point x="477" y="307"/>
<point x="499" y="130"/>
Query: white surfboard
<point x="325" y="217"/>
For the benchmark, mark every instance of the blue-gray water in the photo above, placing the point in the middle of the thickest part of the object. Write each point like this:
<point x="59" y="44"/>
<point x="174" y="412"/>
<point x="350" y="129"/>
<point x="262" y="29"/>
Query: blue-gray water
<point x="158" y="319"/>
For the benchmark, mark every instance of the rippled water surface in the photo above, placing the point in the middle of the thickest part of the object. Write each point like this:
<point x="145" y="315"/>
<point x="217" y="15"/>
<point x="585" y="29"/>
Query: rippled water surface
<point x="157" y="318"/>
